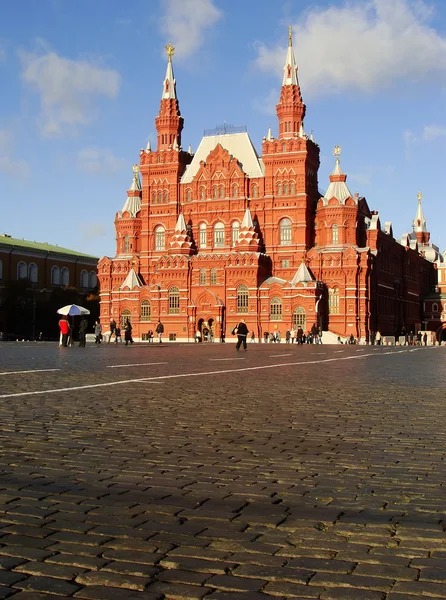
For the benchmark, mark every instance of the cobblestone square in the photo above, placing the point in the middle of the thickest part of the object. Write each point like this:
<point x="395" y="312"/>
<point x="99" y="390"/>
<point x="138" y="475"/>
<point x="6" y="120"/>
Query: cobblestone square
<point x="191" y="471"/>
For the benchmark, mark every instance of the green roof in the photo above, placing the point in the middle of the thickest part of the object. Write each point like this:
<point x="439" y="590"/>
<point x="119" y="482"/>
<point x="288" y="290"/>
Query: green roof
<point x="44" y="247"/>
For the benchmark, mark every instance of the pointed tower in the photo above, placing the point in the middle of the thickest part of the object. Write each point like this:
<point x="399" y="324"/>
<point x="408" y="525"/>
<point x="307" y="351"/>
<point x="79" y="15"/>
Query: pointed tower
<point x="290" y="109"/>
<point x="419" y="224"/>
<point x="169" y="122"/>
<point x="181" y="242"/>
<point x="128" y="221"/>
<point x="248" y="238"/>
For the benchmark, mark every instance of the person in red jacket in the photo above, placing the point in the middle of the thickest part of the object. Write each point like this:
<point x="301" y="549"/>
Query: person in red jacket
<point x="64" y="327"/>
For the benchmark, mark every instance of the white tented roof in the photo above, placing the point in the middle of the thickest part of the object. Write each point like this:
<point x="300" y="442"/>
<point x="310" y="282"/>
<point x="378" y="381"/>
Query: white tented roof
<point x="238" y="145"/>
<point x="338" y="189"/>
<point x="131" y="281"/>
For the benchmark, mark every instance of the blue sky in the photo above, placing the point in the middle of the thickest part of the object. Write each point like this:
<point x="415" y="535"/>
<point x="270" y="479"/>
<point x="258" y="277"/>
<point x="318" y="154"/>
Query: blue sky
<point x="82" y="81"/>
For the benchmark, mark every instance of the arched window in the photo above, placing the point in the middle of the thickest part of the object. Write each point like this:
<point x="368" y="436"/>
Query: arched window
<point x="221" y="191"/>
<point x="333" y="301"/>
<point x="279" y="189"/>
<point x="202" y="276"/>
<point x="235" y="232"/>
<point x="166" y="197"/>
<point x="160" y="197"/>
<point x="242" y="299"/>
<point x="126" y="315"/>
<point x="285" y="189"/>
<point x="202" y="235"/>
<point x="299" y="318"/>
<point x="55" y="275"/>
<point x="219" y="235"/>
<point x="126" y="244"/>
<point x="174" y="301"/>
<point x="84" y="279"/>
<point x="22" y="270"/>
<point x="160" y="238"/>
<point x="215" y="191"/>
<point x="154" y="197"/>
<point x="145" y="310"/>
<point x="435" y="307"/>
<point x="1" y="269"/>
<point x="235" y="191"/>
<point x="292" y="188"/>
<point x="275" y="310"/>
<point x="285" y="232"/>
<point x="334" y="234"/>
<point x="188" y="195"/>
<point x="255" y="191"/>
<point x="64" y="276"/>
<point x="92" y="279"/>
<point x="202" y="193"/>
<point x="213" y="276"/>
<point x="32" y="273"/>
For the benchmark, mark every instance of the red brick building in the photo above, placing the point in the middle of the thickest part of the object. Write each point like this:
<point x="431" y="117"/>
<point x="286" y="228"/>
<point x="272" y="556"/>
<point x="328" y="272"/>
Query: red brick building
<point x="225" y="234"/>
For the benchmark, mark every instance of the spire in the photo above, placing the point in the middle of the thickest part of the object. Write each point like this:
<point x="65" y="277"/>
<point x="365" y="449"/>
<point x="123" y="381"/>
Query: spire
<point x="131" y="281"/>
<point x="148" y="147"/>
<point x="133" y="203"/>
<point x="169" y="122"/>
<point x="248" y="240"/>
<point x="290" y="109"/>
<point x="419" y="223"/>
<point x="169" y="83"/>
<point x="181" y="242"/>
<point x="302" y="275"/>
<point x="338" y="187"/>
<point x="247" y="220"/>
<point x="269" y="135"/>
<point x="181" y="223"/>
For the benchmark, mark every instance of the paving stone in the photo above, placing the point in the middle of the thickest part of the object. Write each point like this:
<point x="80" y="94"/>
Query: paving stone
<point x="113" y="580"/>
<point x="96" y="592"/>
<point x="317" y="564"/>
<point x="187" y="577"/>
<point x="178" y="591"/>
<point x="433" y="574"/>
<point x="398" y="573"/>
<point x="349" y="594"/>
<point x="91" y="563"/>
<point x="47" y="584"/>
<point x="34" y="596"/>
<point x="46" y="569"/>
<point x="197" y="564"/>
<point x="235" y="584"/>
<point x="337" y="579"/>
<point x="145" y="558"/>
<point x="273" y="573"/>
<point x="293" y="590"/>
<point x="130" y="568"/>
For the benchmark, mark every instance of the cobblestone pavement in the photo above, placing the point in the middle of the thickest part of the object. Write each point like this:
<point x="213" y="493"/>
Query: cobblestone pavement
<point x="192" y="471"/>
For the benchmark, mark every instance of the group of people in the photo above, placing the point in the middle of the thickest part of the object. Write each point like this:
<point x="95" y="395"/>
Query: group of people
<point x="206" y="334"/>
<point x="67" y="330"/>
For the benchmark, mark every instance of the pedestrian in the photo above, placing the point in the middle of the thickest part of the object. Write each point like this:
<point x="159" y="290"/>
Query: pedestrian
<point x="288" y="336"/>
<point x="97" y="332"/>
<point x="425" y="339"/>
<point x="300" y="335"/>
<point x="118" y="334"/>
<point x="279" y="337"/>
<point x="160" y="330"/>
<point x="378" y="338"/>
<point x="197" y="336"/>
<point x="128" y="332"/>
<point x="150" y="336"/>
<point x="242" y="332"/>
<point x="411" y="338"/>
<point x="292" y="335"/>
<point x="211" y="334"/>
<point x="253" y="336"/>
<point x="64" y="327"/>
<point x="83" y="332"/>
<point x="266" y="337"/>
<point x="112" y="329"/>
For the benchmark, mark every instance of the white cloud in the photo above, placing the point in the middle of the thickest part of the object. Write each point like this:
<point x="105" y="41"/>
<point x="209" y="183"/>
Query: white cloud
<point x="99" y="160"/>
<point x="430" y="133"/>
<point x="361" y="45"/>
<point x="91" y="231"/>
<point x="68" y="89"/>
<point x="8" y="162"/>
<point x="185" y="22"/>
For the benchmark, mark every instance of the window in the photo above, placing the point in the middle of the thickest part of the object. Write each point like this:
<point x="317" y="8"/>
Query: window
<point x="215" y="192"/>
<point x="285" y="189"/>
<point x="174" y="301"/>
<point x="286" y="263"/>
<point x="154" y="197"/>
<point x="166" y="197"/>
<point x="242" y="299"/>
<point x="285" y="232"/>
<point x="202" y="276"/>
<point x="219" y="235"/>
<point x="279" y="189"/>
<point x="221" y="190"/>
<point x="32" y="273"/>
<point x="160" y="238"/>
<point x="235" y="232"/>
<point x="333" y="301"/>
<point x="92" y="279"/>
<point x="145" y="310"/>
<point x="299" y="318"/>
<point x="202" y="235"/>
<point x="255" y="191"/>
<point x="126" y="244"/>
<point x="160" y="197"/>
<point x="434" y="307"/>
<point x="202" y="193"/>
<point x="292" y="188"/>
<point x="334" y="235"/>
<point x="22" y="270"/>
<point x="84" y="279"/>
<point x="188" y="195"/>
<point x="64" y="276"/>
<point x="235" y="191"/>
<point x="55" y="275"/>
<point x="213" y="276"/>
<point x="126" y="315"/>
<point x="275" y="310"/>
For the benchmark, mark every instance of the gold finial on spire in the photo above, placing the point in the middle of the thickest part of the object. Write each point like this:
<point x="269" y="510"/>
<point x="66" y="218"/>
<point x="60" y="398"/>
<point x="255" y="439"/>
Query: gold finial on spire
<point x="170" y="51"/>
<point x="290" y="36"/>
<point x="337" y="151"/>
<point x="419" y="196"/>
<point x="135" y="170"/>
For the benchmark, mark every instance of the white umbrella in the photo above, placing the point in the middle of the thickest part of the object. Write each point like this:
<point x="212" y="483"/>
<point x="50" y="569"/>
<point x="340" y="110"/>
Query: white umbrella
<point x="73" y="310"/>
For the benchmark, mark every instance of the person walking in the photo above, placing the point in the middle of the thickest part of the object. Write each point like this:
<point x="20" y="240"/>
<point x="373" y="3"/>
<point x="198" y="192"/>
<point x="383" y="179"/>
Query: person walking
<point x="128" y="332"/>
<point x="160" y="330"/>
<point x="425" y="339"/>
<point x="97" y="332"/>
<point x="64" y="327"/>
<point x="118" y="334"/>
<point x="253" y="336"/>
<point x="83" y="332"/>
<point x="242" y="333"/>
<point x="112" y="329"/>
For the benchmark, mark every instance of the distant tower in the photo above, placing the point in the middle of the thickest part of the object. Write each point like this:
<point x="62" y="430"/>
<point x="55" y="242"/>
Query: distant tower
<point x="169" y="122"/>
<point x="419" y="224"/>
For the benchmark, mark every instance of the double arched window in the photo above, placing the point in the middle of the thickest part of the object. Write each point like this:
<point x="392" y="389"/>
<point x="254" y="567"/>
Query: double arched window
<point x="333" y="301"/>
<point x="160" y="238"/>
<point x="235" y="232"/>
<point x="334" y="234"/>
<point x="22" y="270"/>
<point x="202" y="235"/>
<point x="219" y="235"/>
<point x="285" y="232"/>
<point x="275" y="310"/>
<point x="55" y="275"/>
<point x="242" y="299"/>
<point x="174" y="301"/>
<point x="126" y="244"/>
<point x="145" y="310"/>
<point x="299" y="318"/>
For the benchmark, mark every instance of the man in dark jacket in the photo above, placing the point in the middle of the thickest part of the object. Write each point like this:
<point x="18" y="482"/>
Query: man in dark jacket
<point x="82" y="332"/>
<point x="242" y="333"/>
